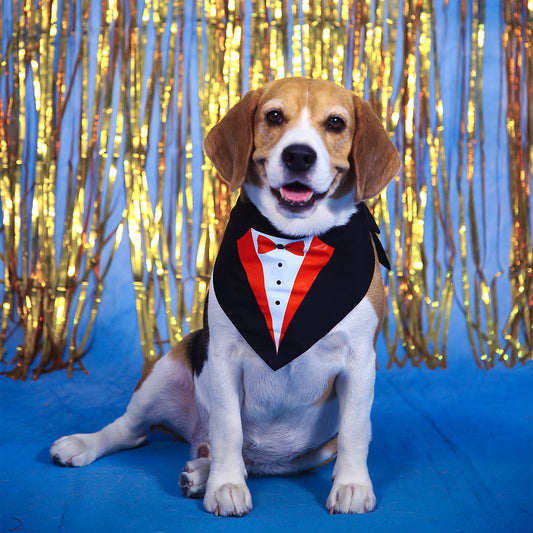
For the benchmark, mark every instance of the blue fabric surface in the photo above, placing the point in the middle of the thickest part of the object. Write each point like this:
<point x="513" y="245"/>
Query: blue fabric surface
<point x="451" y="451"/>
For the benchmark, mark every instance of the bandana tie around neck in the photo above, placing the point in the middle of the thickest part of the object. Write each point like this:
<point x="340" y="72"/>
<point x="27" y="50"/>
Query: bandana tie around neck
<point x="283" y="294"/>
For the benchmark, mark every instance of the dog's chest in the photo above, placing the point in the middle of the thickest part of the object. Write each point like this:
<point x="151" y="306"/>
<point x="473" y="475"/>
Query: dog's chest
<point x="296" y="406"/>
<point x="307" y="381"/>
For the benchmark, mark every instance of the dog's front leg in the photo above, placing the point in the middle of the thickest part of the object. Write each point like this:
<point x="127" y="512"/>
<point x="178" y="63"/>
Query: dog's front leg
<point x="352" y="490"/>
<point x="226" y="491"/>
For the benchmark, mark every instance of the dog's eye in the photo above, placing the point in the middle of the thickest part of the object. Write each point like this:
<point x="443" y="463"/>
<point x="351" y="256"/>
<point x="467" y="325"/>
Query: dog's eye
<point x="335" y="124"/>
<point x="274" y="117"/>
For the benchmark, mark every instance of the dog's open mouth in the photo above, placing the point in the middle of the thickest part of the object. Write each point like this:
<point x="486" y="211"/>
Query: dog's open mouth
<point x="296" y="195"/>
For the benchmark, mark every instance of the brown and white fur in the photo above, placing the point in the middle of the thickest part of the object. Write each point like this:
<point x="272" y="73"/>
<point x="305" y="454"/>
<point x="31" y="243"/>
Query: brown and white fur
<point x="240" y="416"/>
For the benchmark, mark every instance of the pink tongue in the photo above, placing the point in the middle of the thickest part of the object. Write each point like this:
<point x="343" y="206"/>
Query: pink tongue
<point x="296" y="195"/>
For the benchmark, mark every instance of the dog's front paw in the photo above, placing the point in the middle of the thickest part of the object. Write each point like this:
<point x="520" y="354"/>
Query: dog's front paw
<point x="351" y="498"/>
<point x="74" y="450"/>
<point x="228" y="500"/>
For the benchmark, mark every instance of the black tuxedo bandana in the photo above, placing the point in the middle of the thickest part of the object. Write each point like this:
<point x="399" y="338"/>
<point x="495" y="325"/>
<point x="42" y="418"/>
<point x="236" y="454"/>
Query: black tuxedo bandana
<point x="283" y="294"/>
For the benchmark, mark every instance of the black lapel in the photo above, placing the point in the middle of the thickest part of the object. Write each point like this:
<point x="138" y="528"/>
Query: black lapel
<point x="231" y="286"/>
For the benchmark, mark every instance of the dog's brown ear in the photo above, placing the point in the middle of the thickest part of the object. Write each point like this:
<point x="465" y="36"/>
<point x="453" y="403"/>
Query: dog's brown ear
<point x="375" y="157"/>
<point x="230" y="142"/>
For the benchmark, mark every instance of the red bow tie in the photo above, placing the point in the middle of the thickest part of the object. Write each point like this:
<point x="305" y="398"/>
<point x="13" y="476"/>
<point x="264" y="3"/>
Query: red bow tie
<point x="265" y="245"/>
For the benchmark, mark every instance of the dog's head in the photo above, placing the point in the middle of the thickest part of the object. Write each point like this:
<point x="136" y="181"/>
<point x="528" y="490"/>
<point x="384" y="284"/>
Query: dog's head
<point x="305" y="151"/>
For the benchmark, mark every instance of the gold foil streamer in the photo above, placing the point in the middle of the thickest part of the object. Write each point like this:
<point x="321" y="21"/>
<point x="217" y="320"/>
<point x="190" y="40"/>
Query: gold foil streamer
<point x="517" y="43"/>
<point x="354" y="43"/>
<point x="421" y="309"/>
<point x="220" y="88"/>
<point x="52" y="282"/>
<point x="157" y="265"/>
<point x="479" y="299"/>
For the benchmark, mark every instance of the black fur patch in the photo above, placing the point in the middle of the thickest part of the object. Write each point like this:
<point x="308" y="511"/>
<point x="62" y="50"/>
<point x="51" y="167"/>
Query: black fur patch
<point x="197" y="344"/>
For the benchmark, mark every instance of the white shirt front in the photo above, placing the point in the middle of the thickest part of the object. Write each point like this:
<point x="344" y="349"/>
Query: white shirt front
<point x="280" y="268"/>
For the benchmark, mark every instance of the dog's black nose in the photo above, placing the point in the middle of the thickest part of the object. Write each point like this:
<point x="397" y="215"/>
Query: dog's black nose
<point x="298" y="157"/>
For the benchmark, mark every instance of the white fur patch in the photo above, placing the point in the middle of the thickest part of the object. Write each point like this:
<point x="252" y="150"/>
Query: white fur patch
<point x="320" y="178"/>
<point x="328" y="213"/>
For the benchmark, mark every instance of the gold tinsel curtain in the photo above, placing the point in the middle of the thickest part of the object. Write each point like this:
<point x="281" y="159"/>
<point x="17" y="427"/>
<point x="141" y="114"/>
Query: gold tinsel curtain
<point x="102" y="109"/>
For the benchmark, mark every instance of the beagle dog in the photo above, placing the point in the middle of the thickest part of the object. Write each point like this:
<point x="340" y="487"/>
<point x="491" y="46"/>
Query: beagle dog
<point x="281" y="377"/>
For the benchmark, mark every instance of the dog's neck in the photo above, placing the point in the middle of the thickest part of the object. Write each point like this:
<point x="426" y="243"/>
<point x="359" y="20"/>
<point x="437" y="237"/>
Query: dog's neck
<point x="329" y="213"/>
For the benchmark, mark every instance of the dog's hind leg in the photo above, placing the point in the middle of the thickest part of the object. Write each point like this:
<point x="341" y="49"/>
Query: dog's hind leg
<point x="193" y="478"/>
<point x="164" y="397"/>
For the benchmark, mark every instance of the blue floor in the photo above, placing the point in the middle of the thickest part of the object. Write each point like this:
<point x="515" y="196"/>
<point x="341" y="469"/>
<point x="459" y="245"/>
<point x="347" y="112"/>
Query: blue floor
<point x="451" y="451"/>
